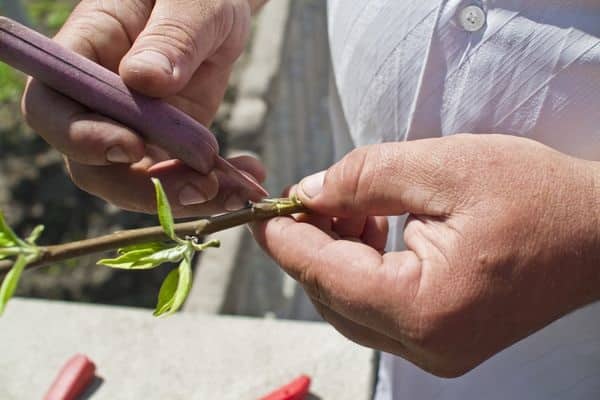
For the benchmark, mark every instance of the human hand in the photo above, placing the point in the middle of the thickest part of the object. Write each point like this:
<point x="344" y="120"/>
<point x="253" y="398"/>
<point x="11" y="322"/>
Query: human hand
<point x="180" y="51"/>
<point x="502" y="240"/>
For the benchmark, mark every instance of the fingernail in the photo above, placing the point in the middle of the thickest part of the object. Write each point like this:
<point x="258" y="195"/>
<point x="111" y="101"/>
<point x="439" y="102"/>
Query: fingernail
<point x="116" y="154"/>
<point x="234" y="202"/>
<point x="153" y="58"/>
<point x="190" y="195"/>
<point x="312" y="185"/>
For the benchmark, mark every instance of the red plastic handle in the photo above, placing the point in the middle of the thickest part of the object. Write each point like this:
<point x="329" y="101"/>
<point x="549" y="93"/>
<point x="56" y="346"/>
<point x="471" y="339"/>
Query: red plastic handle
<point x="73" y="379"/>
<point x="295" y="390"/>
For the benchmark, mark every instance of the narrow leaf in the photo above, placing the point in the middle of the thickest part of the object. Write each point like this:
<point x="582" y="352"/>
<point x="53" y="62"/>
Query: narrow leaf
<point x="145" y="258"/>
<point x="156" y="246"/>
<point x="126" y="260"/>
<point x="164" y="209"/>
<point x="175" y="288"/>
<point x="6" y="252"/>
<point x="11" y="281"/>
<point x="35" y="234"/>
<point x="6" y="232"/>
<point x="174" y="254"/>
<point x="5" y="241"/>
<point x="167" y="292"/>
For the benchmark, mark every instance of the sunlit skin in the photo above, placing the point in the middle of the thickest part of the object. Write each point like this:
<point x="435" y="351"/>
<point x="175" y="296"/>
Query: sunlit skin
<point x="503" y="233"/>
<point x="502" y="240"/>
<point x="200" y="42"/>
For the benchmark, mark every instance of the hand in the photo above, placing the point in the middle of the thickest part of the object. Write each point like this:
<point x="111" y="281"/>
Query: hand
<point x="503" y="238"/>
<point x="182" y="51"/>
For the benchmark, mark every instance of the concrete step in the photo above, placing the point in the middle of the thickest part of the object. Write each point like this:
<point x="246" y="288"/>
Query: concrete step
<point x="186" y="356"/>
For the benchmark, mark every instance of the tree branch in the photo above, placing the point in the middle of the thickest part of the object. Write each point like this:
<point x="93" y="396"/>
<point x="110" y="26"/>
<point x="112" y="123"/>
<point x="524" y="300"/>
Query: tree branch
<point x="256" y="212"/>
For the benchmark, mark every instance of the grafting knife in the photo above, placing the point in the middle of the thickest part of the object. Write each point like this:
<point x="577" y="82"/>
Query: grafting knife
<point x="104" y="92"/>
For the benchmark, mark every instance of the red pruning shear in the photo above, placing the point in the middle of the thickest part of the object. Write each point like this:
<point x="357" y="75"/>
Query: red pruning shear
<point x="103" y="91"/>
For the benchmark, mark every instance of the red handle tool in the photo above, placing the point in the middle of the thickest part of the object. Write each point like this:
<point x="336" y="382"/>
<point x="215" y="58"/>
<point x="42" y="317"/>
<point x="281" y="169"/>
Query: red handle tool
<point x="295" y="390"/>
<point x="74" y="377"/>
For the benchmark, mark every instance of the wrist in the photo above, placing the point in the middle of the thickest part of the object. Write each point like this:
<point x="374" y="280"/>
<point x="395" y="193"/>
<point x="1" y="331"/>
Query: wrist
<point x="570" y="244"/>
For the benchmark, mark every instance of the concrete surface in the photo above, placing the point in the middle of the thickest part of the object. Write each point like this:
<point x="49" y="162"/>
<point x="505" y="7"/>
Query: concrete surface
<point x="296" y="141"/>
<point x="214" y="272"/>
<point x="215" y="289"/>
<point x="182" y="357"/>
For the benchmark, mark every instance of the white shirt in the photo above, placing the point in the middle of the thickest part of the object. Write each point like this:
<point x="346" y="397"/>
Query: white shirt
<point x="410" y="69"/>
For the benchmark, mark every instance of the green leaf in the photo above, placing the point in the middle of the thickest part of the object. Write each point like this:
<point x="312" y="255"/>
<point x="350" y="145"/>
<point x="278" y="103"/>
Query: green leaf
<point x="6" y="252"/>
<point x="5" y="241"/>
<point x="167" y="292"/>
<point x="126" y="260"/>
<point x="35" y="234"/>
<point x="173" y="254"/>
<point x="175" y="288"/>
<point x="11" y="84"/>
<point x="156" y="246"/>
<point x="164" y="210"/>
<point x="9" y="285"/>
<point x="146" y="257"/>
<point x="203" y="246"/>
<point x="7" y="235"/>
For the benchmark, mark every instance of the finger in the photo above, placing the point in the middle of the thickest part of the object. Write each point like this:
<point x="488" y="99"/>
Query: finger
<point x="386" y="179"/>
<point x="81" y="135"/>
<point x="179" y="38"/>
<point x="104" y="31"/>
<point x="375" y="233"/>
<point x="323" y="222"/>
<point x="230" y="196"/>
<point x="129" y="187"/>
<point x="250" y="165"/>
<point x="101" y="31"/>
<point x="349" y="227"/>
<point x="350" y="278"/>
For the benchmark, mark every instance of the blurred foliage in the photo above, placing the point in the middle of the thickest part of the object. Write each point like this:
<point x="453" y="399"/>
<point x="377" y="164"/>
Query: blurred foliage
<point x="11" y="84"/>
<point x="49" y="14"/>
<point x="45" y="15"/>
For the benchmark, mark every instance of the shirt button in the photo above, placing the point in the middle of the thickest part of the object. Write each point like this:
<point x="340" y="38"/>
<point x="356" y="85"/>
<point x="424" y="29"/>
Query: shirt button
<point x="471" y="18"/>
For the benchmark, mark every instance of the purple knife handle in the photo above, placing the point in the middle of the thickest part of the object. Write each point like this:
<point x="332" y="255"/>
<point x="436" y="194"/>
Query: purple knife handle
<point x="103" y="91"/>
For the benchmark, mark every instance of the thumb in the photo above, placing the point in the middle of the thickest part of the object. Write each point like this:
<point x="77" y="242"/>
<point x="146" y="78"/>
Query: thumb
<point x="382" y="180"/>
<point x="178" y="38"/>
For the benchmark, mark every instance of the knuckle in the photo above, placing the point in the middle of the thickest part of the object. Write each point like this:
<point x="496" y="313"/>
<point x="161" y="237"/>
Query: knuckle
<point x="175" y="34"/>
<point x="233" y="24"/>
<point x="87" y="136"/>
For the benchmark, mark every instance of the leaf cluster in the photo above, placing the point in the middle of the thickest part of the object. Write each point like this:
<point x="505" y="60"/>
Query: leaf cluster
<point x="174" y="289"/>
<point x="25" y="251"/>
